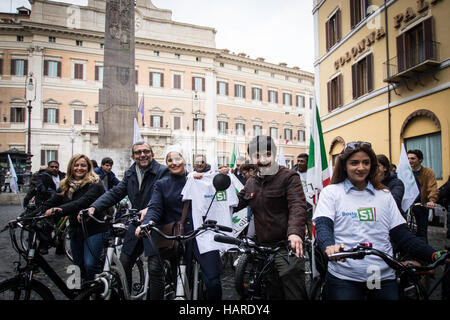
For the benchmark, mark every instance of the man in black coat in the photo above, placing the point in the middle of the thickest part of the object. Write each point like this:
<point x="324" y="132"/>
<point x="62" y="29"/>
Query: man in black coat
<point x="108" y="177"/>
<point x="47" y="182"/>
<point x="137" y="184"/>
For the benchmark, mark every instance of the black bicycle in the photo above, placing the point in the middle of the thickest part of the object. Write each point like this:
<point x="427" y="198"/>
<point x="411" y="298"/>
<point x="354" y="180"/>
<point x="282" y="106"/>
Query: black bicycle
<point x="409" y="274"/>
<point x="254" y="265"/>
<point x="23" y="286"/>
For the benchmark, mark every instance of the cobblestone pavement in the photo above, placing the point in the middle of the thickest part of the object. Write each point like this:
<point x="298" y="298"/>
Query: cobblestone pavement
<point x="61" y="262"/>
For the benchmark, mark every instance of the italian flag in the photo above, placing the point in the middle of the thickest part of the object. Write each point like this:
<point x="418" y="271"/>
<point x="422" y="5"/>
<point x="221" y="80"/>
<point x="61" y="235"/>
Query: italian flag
<point x="318" y="175"/>
<point x="234" y="156"/>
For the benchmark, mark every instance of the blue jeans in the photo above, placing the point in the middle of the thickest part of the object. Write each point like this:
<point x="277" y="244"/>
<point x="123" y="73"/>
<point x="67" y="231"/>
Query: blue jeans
<point x="338" y="289"/>
<point x="87" y="253"/>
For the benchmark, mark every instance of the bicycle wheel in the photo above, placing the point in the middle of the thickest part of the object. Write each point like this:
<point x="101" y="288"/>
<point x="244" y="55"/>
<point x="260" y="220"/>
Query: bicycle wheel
<point x="243" y="275"/>
<point x="66" y="241"/>
<point x="94" y="292"/>
<point x="411" y="221"/>
<point x="13" y="289"/>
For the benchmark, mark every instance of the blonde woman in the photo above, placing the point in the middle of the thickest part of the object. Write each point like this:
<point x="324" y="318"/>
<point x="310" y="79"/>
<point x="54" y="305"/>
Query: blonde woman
<point x="76" y="192"/>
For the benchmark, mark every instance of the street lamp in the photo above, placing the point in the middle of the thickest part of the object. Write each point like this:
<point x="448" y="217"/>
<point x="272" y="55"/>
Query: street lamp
<point x="195" y="110"/>
<point x="30" y="93"/>
<point x="73" y="135"/>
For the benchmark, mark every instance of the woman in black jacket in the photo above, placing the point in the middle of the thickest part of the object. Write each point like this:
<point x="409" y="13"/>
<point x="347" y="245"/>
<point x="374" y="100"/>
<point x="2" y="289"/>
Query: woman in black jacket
<point x="78" y="191"/>
<point x="390" y="180"/>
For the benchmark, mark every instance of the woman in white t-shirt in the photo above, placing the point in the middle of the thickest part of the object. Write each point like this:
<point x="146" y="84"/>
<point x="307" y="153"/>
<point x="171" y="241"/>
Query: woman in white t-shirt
<point x="356" y="208"/>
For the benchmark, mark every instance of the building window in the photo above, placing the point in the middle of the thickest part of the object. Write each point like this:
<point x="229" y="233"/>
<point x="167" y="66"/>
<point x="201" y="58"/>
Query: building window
<point x="333" y="29"/>
<point x="300" y="100"/>
<point x="239" y="68"/>
<point x="19" y="38"/>
<point x="222" y="88"/>
<point x="288" y="134"/>
<point x="52" y="68"/>
<point x="48" y="155"/>
<point x="99" y="73"/>
<point x="240" y="129"/>
<point x="19" y="67"/>
<point x="358" y="11"/>
<point x="51" y="115"/>
<point x="198" y="84"/>
<point x="222" y="65"/>
<point x="334" y="90"/>
<point x="257" y="130"/>
<point x="78" y="71"/>
<point x="362" y="78"/>
<point x="287" y="99"/>
<point x="79" y="43"/>
<point x="77" y="117"/>
<point x="274" y="133"/>
<point x="156" y="121"/>
<point x="156" y="79"/>
<point x="177" y="56"/>
<point x="17" y="114"/>
<point x="102" y="45"/>
<point x="257" y="94"/>
<point x="1" y="66"/>
<point x="96" y="117"/>
<point x="273" y="96"/>
<point x="223" y="127"/>
<point x="239" y="91"/>
<point x="199" y="124"/>
<point x="430" y="145"/>
<point x="416" y="46"/>
<point x="156" y="53"/>
<point x="177" y="81"/>
<point x="301" y="135"/>
<point x="176" y="123"/>
<point x="51" y="39"/>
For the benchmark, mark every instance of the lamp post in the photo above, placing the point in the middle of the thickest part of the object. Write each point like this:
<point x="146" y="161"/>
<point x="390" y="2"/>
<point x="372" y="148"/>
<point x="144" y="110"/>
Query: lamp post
<point x="30" y="93"/>
<point x="195" y="105"/>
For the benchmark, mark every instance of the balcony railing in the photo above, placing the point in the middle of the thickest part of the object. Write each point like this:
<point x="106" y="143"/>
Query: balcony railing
<point x="408" y="63"/>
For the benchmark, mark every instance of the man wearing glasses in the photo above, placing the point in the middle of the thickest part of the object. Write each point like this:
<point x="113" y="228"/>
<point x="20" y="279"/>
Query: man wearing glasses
<point x="137" y="184"/>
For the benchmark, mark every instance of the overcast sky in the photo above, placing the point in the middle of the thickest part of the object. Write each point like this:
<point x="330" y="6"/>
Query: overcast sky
<point x="279" y="31"/>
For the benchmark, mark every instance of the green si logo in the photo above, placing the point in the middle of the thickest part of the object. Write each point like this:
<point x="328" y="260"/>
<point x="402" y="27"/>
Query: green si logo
<point x="221" y="195"/>
<point x="367" y="214"/>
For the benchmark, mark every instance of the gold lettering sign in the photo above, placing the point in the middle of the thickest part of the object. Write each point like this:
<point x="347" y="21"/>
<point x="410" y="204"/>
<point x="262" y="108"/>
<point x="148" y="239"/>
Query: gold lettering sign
<point x="422" y="6"/>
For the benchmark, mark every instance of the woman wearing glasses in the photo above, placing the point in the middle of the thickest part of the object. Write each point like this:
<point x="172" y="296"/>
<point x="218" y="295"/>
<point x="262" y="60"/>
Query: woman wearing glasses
<point x="77" y="191"/>
<point x="357" y="208"/>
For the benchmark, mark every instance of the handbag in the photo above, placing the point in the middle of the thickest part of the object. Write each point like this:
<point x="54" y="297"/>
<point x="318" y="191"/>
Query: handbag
<point x="169" y="248"/>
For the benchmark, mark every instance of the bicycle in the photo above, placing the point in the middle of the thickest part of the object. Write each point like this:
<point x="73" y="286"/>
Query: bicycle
<point x="111" y="283"/>
<point x="23" y="286"/>
<point x="182" y="286"/>
<point x="408" y="273"/>
<point x="255" y="263"/>
<point x="411" y="220"/>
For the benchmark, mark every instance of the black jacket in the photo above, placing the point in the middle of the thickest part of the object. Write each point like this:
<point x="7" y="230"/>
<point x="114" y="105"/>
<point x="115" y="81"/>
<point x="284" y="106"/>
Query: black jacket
<point x="139" y="198"/>
<point x="81" y="199"/>
<point x="397" y="189"/>
<point x="111" y="177"/>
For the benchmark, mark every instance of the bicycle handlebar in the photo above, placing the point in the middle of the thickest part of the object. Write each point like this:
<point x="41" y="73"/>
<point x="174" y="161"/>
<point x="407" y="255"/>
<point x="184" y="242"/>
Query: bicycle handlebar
<point x="248" y="245"/>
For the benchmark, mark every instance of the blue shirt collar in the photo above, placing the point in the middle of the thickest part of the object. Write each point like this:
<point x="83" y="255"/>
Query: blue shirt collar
<point x="348" y="186"/>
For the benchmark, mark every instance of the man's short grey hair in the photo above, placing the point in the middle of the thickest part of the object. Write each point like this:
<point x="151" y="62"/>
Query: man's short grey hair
<point x="141" y="142"/>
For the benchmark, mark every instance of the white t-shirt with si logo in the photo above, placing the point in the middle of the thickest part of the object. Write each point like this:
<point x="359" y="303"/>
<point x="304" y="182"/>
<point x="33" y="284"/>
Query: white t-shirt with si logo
<point x="201" y="192"/>
<point x="360" y="216"/>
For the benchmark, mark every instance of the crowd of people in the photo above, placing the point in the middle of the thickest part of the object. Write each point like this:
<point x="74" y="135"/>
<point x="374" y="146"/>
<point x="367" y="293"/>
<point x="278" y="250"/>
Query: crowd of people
<point x="362" y="203"/>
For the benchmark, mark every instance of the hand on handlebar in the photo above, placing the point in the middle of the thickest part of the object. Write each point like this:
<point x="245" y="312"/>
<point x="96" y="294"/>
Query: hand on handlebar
<point x="52" y="211"/>
<point x="334" y="249"/>
<point x="90" y="211"/>
<point x="430" y="204"/>
<point x="296" y="244"/>
<point x="143" y="212"/>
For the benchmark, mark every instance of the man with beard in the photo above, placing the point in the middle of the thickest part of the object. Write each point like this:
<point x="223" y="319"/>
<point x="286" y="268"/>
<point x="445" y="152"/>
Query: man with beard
<point x="276" y="198"/>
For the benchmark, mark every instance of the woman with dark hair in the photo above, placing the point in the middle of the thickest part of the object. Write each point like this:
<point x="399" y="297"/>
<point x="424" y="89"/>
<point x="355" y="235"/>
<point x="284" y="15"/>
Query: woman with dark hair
<point x="389" y="178"/>
<point x="356" y="208"/>
<point x="76" y="192"/>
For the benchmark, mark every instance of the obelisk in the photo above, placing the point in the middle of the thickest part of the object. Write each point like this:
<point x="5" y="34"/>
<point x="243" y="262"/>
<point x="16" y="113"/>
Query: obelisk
<point x="118" y="97"/>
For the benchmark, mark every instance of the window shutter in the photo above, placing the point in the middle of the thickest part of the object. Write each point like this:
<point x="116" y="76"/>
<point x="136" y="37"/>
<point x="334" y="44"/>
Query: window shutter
<point x="284" y="99"/>
<point x="354" y="80"/>
<point x="203" y="84"/>
<point x="81" y="71"/>
<point x="340" y="91"/>
<point x="57" y="116"/>
<point x="244" y="91"/>
<point x="401" y="53"/>
<point x="77" y="116"/>
<point x="162" y="80"/>
<point x="276" y="96"/>
<point x="45" y="67"/>
<point x="43" y="158"/>
<point x="327" y="34"/>
<point x="369" y="60"/>
<point x="338" y="25"/>
<point x="235" y="90"/>
<point x="352" y="14"/>
<point x="226" y="125"/>
<point x="151" y="79"/>
<point x="59" y="69"/>
<point x="1" y="66"/>
<point x="151" y="121"/>
<point x="56" y="155"/>
<point x="217" y="87"/>
<point x="96" y="73"/>
<point x="45" y="115"/>
<point x="428" y="38"/>
<point x="330" y="106"/>
<point x="176" y="123"/>
<point x="290" y="99"/>
<point x="303" y="100"/>
<point x="25" y="67"/>
<point x="136" y="75"/>
<point x="13" y="67"/>
<point x="193" y="83"/>
<point x="226" y="88"/>
<point x="96" y="117"/>
<point x="161" y="121"/>
<point x="253" y="93"/>
<point x="203" y="125"/>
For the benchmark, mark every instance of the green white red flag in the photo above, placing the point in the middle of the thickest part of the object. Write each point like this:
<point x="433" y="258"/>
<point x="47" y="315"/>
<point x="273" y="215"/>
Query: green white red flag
<point x="234" y="155"/>
<point x="318" y="175"/>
